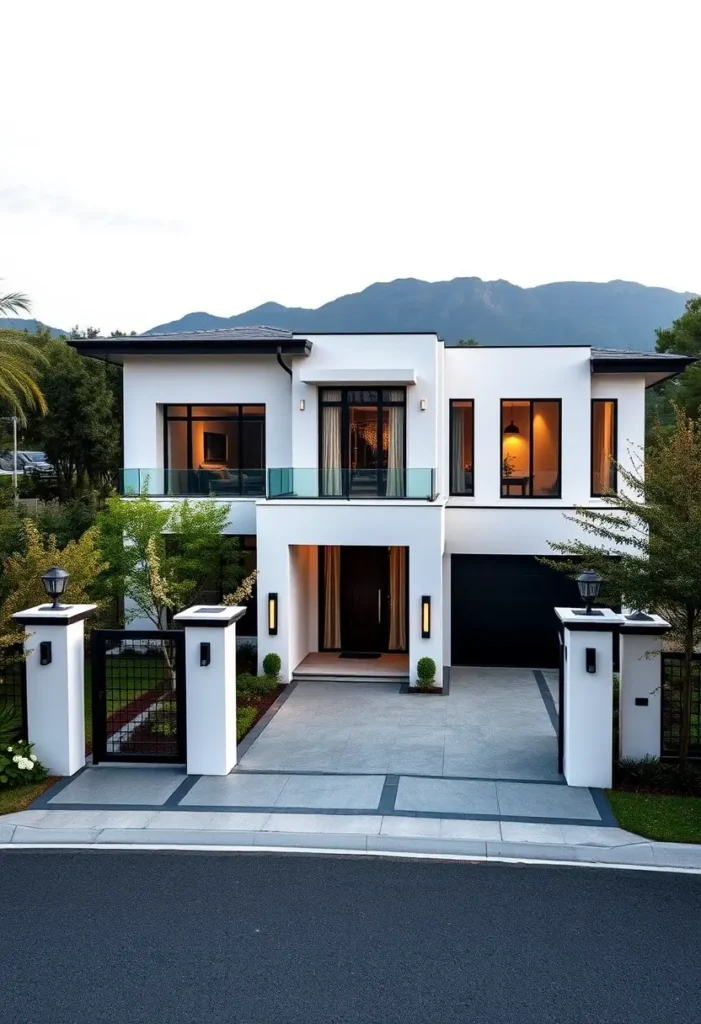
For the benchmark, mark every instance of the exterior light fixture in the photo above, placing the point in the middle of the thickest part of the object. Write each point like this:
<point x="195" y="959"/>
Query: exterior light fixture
<point x="589" y="583"/>
<point x="302" y="405"/>
<point x="55" y="581"/>
<point x="423" y="405"/>
<point x="272" y="614"/>
<point x="425" y="617"/>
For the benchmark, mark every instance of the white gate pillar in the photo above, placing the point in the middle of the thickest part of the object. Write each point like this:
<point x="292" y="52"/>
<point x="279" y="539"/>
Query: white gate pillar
<point x="56" y="684"/>
<point x="588" y="695"/>
<point x="640" y="694"/>
<point x="210" y="687"/>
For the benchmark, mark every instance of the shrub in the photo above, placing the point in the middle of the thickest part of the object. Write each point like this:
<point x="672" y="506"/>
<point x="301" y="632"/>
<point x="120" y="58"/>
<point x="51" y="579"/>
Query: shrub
<point x="166" y="724"/>
<point x="19" y="766"/>
<point x="650" y="775"/>
<point x="426" y="671"/>
<point x="10" y="723"/>
<point x="272" y="665"/>
<point x="249" y="686"/>
<point x="245" y="717"/>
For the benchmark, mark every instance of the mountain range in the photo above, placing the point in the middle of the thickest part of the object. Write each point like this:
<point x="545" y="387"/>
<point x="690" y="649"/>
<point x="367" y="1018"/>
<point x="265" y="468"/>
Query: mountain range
<point x="615" y="314"/>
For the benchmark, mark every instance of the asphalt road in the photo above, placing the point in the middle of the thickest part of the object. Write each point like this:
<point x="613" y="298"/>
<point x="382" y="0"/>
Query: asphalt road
<point x="267" y="939"/>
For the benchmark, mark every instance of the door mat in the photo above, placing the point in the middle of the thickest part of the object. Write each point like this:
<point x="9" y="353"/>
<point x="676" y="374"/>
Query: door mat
<point x="358" y="657"/>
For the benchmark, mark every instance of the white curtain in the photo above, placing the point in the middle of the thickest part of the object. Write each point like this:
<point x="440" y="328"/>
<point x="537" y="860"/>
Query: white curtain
<point x="457" y="437"/>
<point x="397" y="599"/>
<point x="331" y="446"/>
<point x="395" y="451"/>
<point x="332" y="597"/>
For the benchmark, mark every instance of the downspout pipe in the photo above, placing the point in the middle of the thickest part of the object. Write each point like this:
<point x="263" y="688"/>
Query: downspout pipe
<point x="279" y="359"/>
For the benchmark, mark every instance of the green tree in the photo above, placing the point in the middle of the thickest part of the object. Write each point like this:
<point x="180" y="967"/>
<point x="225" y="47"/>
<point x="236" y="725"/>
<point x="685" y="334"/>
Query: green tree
<point x="23" y="570"/>
<point x="80" y="432"/>
<point x="653" y="527"/>
<point x="467" y="343"/>
<point x="158" y="577"/>
<point x="19" y="362"/>
<point x="682" y="338"/>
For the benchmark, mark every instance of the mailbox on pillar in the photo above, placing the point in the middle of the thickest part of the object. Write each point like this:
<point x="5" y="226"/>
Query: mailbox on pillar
<point x="587" y="693"/>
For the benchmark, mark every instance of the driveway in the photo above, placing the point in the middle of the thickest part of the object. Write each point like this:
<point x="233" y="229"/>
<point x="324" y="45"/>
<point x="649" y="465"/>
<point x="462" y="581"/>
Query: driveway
<point x="494" y="724"/>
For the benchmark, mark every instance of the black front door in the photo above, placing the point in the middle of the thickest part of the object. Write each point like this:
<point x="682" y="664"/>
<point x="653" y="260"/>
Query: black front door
<point x="364" y="600"/>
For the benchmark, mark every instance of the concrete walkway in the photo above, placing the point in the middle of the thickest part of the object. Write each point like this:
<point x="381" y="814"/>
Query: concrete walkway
<point x="494" y="724"/>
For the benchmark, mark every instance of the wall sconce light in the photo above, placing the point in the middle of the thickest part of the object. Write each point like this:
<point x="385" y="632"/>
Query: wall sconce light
<point x="272" y="614"/>
<point x="302" y="404"/>
<point x="205" y="655"/>
<point x="45" y="652"/>
<point x="422" y="403"/>
<point x="425" y="617"/>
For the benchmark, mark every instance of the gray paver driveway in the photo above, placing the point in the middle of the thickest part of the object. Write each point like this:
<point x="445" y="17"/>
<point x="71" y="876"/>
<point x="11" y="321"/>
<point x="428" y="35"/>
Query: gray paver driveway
<point x="494" y="724"/>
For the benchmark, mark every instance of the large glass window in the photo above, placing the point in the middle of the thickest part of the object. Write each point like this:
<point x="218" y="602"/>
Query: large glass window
<point x="362" y="442"/>
<point x="603" y="445"/>
<point x="215" y="449"/>
<point x="462" y="447"/>
<point x="530" y="448"/>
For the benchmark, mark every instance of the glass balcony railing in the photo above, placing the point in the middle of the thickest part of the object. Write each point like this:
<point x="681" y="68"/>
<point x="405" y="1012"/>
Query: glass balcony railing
<point x="351" y="484"/>
<point x="181" y="483"/>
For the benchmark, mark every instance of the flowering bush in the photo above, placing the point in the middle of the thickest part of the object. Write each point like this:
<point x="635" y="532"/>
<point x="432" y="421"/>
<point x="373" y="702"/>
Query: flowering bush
<point x="19" y="766"/>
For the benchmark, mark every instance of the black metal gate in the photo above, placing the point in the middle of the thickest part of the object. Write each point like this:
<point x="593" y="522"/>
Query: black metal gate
<point x="138" y="695"/>
<point x="672" y="671"/>
<point x="13" y="688"/>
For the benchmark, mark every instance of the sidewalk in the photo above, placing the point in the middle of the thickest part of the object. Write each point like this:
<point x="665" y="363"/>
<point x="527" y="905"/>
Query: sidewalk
<point x="162" y="807"/>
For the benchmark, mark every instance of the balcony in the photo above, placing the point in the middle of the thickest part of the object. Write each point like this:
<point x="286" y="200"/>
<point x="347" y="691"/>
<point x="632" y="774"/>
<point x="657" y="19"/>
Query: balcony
<point x="352" y="484"/>
<point x="186" y="483"/>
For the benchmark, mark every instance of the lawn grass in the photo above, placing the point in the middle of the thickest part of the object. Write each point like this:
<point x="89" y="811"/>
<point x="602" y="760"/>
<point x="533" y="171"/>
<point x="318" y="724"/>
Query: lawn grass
<point x="20" y="797"/>
<point x="669" y="819"/>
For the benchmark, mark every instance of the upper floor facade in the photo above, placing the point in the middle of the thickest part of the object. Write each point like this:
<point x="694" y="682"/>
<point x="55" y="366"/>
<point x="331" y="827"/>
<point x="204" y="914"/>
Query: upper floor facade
<point x="259" y="414"/>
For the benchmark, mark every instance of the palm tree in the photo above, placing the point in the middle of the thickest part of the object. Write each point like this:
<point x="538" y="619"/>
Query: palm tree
<point x="19" y="362"/>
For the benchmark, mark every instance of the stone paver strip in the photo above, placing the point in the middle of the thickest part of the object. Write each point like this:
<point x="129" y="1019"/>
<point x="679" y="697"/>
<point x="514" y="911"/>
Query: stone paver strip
<point x="235" y="791"/>
<point x="121" y="786"/>
<point x="345" y="792"/>
<point x="447" y="795"/>
<point x="520" y="800"/>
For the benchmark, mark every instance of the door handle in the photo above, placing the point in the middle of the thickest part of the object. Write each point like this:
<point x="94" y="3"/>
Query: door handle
<point x="379" y="605"/>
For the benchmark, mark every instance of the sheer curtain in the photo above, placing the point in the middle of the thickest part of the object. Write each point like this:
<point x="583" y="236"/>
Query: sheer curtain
<point x="331" y="445"/>
<point x="332" y="597"/>
<point x="395" y="450"/>
<point x="397" y="599"/>
<point x="457" y="437"/>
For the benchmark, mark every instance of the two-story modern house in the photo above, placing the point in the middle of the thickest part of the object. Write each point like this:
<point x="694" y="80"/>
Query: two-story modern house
<point x="394" y="493"/>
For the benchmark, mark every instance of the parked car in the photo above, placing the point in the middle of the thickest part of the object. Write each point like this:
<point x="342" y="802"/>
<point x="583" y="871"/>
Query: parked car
<point x="27" y="462"/>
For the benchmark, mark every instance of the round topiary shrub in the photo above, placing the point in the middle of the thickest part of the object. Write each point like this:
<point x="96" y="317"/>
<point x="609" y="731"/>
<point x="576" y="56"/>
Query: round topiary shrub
<point x="272" y="665"/>
<point x="426" y="671"/>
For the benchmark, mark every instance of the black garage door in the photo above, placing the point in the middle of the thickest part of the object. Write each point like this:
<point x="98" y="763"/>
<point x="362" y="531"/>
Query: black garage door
<point x="502" y="610"/>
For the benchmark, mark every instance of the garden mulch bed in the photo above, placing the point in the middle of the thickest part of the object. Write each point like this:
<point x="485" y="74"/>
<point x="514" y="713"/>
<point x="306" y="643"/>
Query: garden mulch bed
<point x="261" y="704"/>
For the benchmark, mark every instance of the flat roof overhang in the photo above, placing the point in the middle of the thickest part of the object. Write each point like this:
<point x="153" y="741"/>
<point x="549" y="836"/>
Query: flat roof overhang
<point x="114" y="350"/>
<point x="657" y="366"/>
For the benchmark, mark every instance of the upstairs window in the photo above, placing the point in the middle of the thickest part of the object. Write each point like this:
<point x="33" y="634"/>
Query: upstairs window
<point x="221" y="448"/>
<point x="462" y="447"/>
<point x="362" y="442"/>
<point x="530" y="448"/>
<point x="604" y="418"/>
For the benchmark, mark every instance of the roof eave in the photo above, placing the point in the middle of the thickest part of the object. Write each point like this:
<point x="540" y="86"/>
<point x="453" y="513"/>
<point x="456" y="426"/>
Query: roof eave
<point x="114" y="350"/>
<point x="656" y="370"/>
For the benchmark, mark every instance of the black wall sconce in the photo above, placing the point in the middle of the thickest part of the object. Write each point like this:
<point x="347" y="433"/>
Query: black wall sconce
<point x="425" y="617"/>
<point x="205" y="655"/>
<point x="272" y="614"/>
<point x="591" y="660"/>
<point x="45" y="652"/>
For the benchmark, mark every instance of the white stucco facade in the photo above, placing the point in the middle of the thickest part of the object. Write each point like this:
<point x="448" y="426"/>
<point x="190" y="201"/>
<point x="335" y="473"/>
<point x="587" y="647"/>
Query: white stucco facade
<point x="434" y="528"/>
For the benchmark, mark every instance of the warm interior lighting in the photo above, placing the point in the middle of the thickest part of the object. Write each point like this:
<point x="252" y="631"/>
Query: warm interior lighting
<point x="425" y="617"/>
<point x="272" y="614"/>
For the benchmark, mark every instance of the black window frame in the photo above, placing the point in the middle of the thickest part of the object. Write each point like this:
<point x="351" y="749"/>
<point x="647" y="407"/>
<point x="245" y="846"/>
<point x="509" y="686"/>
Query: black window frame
<point x="460" y="494"/>
<point x="237" y="417"/>
<point x="345" y="430"/>
<point x="530" y="497"/>
<point x="614" y="402"/>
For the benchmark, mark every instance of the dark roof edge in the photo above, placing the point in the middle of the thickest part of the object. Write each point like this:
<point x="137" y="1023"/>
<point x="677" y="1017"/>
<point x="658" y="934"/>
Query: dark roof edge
<point x="670" y="366"/>
<point x="104" y="348"/>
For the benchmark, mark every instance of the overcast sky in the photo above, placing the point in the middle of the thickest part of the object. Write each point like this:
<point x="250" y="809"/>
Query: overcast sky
<point x="163" y="157"/>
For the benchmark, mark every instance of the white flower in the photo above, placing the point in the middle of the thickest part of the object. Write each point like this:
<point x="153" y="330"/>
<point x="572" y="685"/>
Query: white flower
<point x="33" y="757"/>
<point x="28" y="764"/>
<point x="10" y="749"/>
<point x="16" y="758"/>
